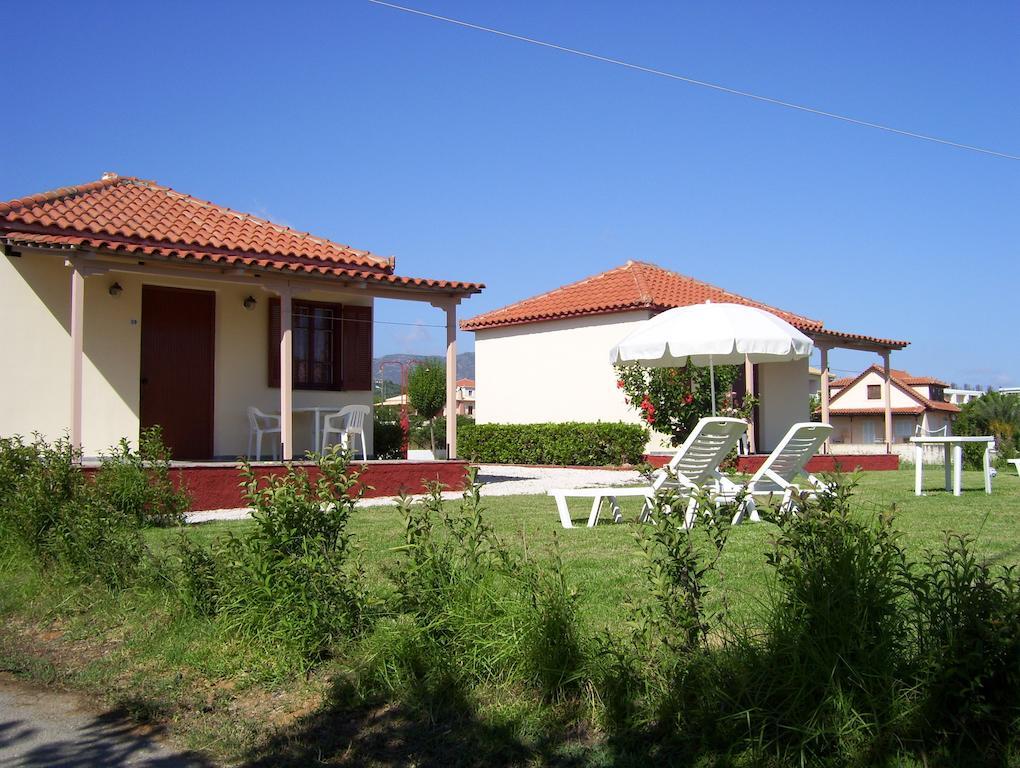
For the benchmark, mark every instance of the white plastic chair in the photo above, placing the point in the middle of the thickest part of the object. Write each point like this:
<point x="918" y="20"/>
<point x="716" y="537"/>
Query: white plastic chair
<point x="348" y="421"/>
<point x="784" y="464"/>
<point x="260" y="424"/>
<point x="693" y="468"/>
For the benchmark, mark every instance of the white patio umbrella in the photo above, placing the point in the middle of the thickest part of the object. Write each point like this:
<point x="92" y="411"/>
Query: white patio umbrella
<point x="711" y="334"/>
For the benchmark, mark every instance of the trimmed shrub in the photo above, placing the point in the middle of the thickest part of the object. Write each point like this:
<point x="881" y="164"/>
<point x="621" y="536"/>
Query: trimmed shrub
<point x="387" y="440"/>
<point x="572" y="443"/>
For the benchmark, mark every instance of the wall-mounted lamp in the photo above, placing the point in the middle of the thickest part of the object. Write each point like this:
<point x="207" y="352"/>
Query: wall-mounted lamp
<point x="250" y="302"/>
<point x="115" y="289"/>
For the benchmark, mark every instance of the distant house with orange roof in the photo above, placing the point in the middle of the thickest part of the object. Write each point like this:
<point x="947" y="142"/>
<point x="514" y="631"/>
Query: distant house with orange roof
<point x="546" y="358"/>
<point x="918" y="403"/>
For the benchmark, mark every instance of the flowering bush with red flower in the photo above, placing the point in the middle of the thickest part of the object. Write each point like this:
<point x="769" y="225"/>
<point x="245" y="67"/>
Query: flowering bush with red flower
<point x="671" y="400"/>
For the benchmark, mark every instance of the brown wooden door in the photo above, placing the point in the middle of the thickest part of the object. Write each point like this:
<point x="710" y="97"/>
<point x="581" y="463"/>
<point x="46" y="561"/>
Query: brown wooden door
<point x="176" y="388"/>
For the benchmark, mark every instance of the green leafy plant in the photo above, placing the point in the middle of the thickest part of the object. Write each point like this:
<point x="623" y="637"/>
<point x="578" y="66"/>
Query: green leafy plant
<point x="294" y="584"/>
<point x="138" y="483"/>
<point x="426" y="392"/>
<point x="471" y="614"/>
<point x="570" y="443"/>
<point x="387" y="439"/>
<point x="51" y="512"/>
<point x="671" y="400"/>
<point x="993" y="414"/>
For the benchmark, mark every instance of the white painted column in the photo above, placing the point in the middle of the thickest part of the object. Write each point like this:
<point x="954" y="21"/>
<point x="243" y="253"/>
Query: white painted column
<point x="451" y="379"/>
<point x="887" y="374"/>
<point x="752" y="445"/>
<point x="824" y="392"/>
<point x="77" y="355"/>
<point x="286" y="374"/>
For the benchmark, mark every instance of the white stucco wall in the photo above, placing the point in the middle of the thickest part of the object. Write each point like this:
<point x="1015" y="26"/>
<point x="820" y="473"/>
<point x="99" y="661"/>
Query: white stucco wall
<point x="552" y="371"/>
<point x="783" y="400"/>
<point x="559" y="371"/>
<point x="35" y="389"/>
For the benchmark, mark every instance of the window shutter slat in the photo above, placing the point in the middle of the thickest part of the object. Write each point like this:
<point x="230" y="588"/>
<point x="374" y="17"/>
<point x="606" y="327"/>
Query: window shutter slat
<point x="357" y="347"/>
<point x="273" y="358"/>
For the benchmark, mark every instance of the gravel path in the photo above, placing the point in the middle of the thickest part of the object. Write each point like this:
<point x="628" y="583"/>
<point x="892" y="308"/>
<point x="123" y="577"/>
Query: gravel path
<point x="499" y="479"/>
<point x="42" y="727"/>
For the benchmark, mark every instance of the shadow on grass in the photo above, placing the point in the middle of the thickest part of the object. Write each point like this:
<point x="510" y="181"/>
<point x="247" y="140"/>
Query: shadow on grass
<point x="434" y="725"/>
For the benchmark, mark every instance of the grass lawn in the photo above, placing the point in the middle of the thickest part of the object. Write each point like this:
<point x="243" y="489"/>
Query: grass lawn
<point x="159" y="665"/>
<point x="604" y="563"/>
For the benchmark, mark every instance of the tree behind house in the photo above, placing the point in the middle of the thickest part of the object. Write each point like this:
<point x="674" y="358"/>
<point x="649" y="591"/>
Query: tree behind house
<point x="427" y="392"/>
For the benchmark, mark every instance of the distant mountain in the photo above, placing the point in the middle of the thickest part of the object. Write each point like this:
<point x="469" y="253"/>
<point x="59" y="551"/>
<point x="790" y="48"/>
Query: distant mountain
<point x="465" y="365"/>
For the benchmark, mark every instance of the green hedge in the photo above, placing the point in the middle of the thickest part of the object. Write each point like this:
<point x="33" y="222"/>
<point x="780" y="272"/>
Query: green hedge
<point x="572" y="443"/>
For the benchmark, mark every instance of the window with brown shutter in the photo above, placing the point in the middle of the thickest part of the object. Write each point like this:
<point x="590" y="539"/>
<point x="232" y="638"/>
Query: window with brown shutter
<point x="874" y="391"/>
<point x="332" y="346"/>
<point x="357" y="347"/>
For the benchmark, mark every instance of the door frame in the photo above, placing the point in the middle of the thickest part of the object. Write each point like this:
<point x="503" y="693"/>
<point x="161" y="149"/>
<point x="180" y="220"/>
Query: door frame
<point x="149" y="287"/>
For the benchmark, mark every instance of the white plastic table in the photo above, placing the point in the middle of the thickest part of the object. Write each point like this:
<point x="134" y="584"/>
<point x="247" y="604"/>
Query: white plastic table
<point x="954" y="467"/>
<point x="316" y="411"/>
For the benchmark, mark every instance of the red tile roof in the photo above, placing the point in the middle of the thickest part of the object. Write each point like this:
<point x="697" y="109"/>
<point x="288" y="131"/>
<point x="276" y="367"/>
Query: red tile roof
<point x="469" y="383"/>
<point x="872" y="411"/>
<point x="901" y="376"/>
<point x="126" y="215"/>
<point x="638" y="285"/>
<point x="635" y="285"/>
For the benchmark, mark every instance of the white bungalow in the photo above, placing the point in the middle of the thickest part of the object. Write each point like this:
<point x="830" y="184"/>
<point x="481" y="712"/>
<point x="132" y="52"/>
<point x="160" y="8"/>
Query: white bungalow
<point x="545" y="359"/>
<point x="126" y="304"/>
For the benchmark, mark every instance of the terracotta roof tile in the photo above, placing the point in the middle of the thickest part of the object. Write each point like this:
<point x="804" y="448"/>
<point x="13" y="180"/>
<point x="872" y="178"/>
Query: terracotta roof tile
<point x="126" y="215"/>
<point x="633" y="286"/>
<point x="872" y="411"/>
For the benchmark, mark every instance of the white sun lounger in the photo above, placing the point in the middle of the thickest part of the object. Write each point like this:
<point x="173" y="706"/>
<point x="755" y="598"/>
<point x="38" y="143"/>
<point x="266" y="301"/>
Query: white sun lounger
<point x="694" y="467"/>
<point x="789" y="459"/>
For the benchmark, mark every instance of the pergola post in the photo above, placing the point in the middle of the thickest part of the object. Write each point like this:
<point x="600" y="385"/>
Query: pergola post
<point x="752" y="446"/>
<point x="77" y="355"/>
<point x="451" y="379"/>
<point x="887" y="375"/>
<point x="824" y="391"/>
<point x="286" y="374"/>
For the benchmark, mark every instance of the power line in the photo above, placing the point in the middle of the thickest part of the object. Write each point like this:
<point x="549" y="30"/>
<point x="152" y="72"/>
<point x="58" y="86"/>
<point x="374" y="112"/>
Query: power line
<point x="693" y="81"/>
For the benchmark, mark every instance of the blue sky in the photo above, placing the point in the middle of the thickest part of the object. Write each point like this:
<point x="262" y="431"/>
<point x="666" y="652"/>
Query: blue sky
<point x="473" y="157"/>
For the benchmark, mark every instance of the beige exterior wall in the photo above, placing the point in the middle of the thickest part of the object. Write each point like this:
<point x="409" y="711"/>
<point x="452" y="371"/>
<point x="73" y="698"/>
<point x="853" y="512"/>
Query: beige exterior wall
<point x="35" y="390"/>
<point x="552" y="372"/>
<point x="784" y="400"/>
<point x="857" y="395"/>
<point x="855" y="429"/>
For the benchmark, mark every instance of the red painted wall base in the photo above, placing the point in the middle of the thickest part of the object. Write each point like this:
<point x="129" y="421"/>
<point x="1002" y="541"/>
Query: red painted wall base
<point x="217" y="486"/>
<point x="880" y="462"/>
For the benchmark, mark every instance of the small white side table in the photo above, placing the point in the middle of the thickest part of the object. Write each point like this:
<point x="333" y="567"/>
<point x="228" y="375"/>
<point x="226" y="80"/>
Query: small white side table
<point x="953" y="446"/>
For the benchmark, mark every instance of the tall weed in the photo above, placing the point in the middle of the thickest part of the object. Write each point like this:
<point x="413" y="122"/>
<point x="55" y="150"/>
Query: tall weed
<point x="472" y="614"/>
<point x="293" y="585"/>
<point x="138" y="483"/>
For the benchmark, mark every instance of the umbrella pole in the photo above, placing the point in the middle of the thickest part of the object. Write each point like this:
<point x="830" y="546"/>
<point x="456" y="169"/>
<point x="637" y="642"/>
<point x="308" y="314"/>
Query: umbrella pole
<point x="711" y="376"/>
